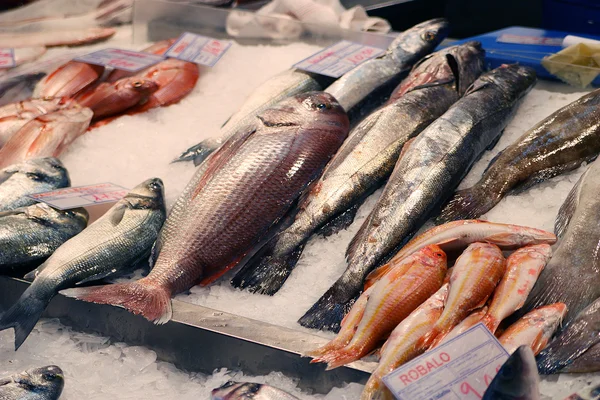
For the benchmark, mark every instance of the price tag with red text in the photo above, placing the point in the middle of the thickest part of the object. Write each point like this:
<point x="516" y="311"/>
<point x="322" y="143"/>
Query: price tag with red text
<point x="7" y="58"/>
<point x="460" y="369"/>
<point x="127" y="60"/>
<point x="82" y="196"/>
<point x="339" y="58"/>
<point x="198" y="49"/>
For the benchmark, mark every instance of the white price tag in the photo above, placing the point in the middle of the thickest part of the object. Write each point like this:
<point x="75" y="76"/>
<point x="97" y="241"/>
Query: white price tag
<point x="82" y="196"/>
<point x="522" y="39"/>
<point x="7" y="58"/>
<point x="127" y="60"/>
<point x="460" y="369"/>
<point x="198" y="49"/>
<point x="339" y="58"/>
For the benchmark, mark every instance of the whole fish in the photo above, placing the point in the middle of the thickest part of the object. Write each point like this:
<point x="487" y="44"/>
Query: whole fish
<point x="433" y="165"/>
<point x="33" y="233"/>
<point x="587" y="362"/>
<point x="234" y="201"/>
<point x="249" y="391"/>
<point x="517" y="379"/>
<point x="575" y="339"/>
<point x="365" y="161"/>
<point x="68" y="80"/>
<point x="46" y="135"/>
<point x="32" y="176"/>
<point x="393" y="299"/>
<point x="522" y="270"/>
<point x="158" y="48"/>
<point x="473" y="319"/>
<point x="404" y="343"/>
<point x="559" y="143"/>
<point x="45" y="383"/>
<point x="66" y="37"/>
<point x="534" y="328"/>
<point x="111" y="245"/>
<point x="571" y="276"/>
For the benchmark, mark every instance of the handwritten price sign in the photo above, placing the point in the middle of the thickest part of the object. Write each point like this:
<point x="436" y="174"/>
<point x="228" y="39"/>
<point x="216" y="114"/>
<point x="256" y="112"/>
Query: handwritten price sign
<point x="82" y="196"/>
<point x="127" y="60"/>
<point x="339" y="58"/>
<point x="198" y="49"/>
<point x="461" y="368"/>
<point x="7" y="58"/>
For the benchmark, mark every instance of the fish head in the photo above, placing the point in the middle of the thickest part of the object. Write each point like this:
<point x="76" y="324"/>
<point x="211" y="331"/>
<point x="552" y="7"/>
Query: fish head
<point x="48" y="381"/>
<point x="467" y="64"/>
<point x="144" y="87"/>
<point x="433" y="256"/>
<point x="79" y="216"/>
<point x="236" y="391"/>
<point x="43" y="212"/>
<point x="541" y="252"/>
<point x="47" y="170"/>
<point x="518" y="378"/>
<point x="148" y="194"/>
<point x="421" y="39"/>
<point x="550" y="315"/>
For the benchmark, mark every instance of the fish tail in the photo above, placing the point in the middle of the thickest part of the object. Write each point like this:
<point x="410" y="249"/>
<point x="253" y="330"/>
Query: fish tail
<point x="376" y="390"/>
<point x="339" y="357"/>
<point x="150" y="301"/>
<point x="466" y="204"/>
<point x="196" y="153"/>
<point x="490" y="322"/>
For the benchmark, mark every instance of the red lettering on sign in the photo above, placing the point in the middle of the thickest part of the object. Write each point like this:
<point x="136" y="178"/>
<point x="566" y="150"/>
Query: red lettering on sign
<point x="405" y="379"/>
<point x="321" y="57"/>
<point x="465" y="388"/>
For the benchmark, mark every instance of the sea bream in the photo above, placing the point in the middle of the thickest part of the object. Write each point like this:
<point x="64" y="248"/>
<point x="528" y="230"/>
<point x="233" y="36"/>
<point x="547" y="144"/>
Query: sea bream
<point x="110" y="246"/>
<point x="234" y="201"/>
<point x="431" y="168"/>
<point x="45" y="383"/>
<point x="365" y="161"/>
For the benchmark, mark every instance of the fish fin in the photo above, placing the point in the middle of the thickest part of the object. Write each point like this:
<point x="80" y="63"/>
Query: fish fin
<point x="31" y="275"/>
<point x="197" y="153"/>
<point x="95" y="277"/>
<point x="493" y="160"/>
<point x="339" y="222"/>
<point x="328" y="312"/>
<point x="150" y="301"/>
<point x="117" y="213"/>
<point x="434" y="339"/>
<point x="544" y="175"/>
<point x="568" y="207"/>
<point x="406" y="148"/>
<point x="340" y="357"/>
<point x="493" y="143"/>
<point x="207" y="280"/>
<point x="226" y="121"/>
<point x="357" y="239"/>
<point x="476" y="86"/>
<point x="539" y="343"/>
<point x="490" y="322"/>
<point x="376" y="275"/>
<point x="466" y="204"/>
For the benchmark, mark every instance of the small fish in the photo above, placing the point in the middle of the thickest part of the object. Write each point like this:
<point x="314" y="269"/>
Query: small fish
<point x="575" y="339"/>
<point x="522" y="270"/>
<point x="534" y="329"/>
<point x="473" y="319"/>
<point x="249" y="391"/>
<point x="45" y="383"/>
<point x="111" y="245"/>
<point x="33" y="233"/>
<point x="68" y="80"/>
<point x="30" y="177"/>
<point x="394" y="298"/>
<point x="517" y="379"/>
<point x="67" y="37"/>
<point x="404" y="343"/>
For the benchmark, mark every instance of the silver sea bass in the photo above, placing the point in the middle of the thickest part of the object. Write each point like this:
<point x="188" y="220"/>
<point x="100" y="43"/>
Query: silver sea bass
<point x="111" y="245"/>
<point x="249" y="391"/>
<point x="45" y="383"/>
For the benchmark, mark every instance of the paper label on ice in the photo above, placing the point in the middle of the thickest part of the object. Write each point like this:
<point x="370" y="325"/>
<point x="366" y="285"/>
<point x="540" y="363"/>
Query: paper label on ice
<point x="7" y="58"/>
<point x="198" y="49"/>
<point x="339" y="58"/>
<point x="523" y="39"/>
<point x="460" y="369"/>
<point x="127" y="60"/>
<point x="82" y="196"/>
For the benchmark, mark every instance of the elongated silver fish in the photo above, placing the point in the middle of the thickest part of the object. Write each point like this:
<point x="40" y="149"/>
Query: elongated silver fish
<point x="586" y="362"/>
<point x="517" y="379"/>
<point x="32" y="176"/>
<point x="45" y="383"/>
<point x="113" y="244"/>
<point x="33" y="233"/>
<point x="249" y="391"/>
<point x="365" y="161"/>
<point x="431" y="168"/>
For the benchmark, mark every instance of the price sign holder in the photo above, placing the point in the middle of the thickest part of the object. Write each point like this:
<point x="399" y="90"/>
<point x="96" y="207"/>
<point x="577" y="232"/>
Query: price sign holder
<point x="127" y="60"/>
<point x="81" y="196"/>
<point x="7" y="58"/>
<point x="198" y="49"/>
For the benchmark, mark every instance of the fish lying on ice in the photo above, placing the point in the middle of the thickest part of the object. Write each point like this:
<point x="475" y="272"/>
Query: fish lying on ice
<point x="234" y="201"/>
<point x="45" y="383"/>
<point x="32" y="176"/>
<point x="111" y="245"/>
<point x="249" y="391"/>
<point x="517" y="379"/>
<point x="365" y="161"/>
<point x="431" y="168"/>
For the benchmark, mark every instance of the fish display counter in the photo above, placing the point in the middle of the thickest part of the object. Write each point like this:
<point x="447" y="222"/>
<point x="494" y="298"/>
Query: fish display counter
<point x="275" y="226"/>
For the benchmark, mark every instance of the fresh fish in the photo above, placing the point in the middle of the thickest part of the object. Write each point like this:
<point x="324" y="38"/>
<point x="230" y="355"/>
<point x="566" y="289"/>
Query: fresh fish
<point x="587" y="362"/>
<point x="258" y="173"/>
<point x="32" y="233"/>
<point x="67" y="37"/>
<point x="46" y="135"/>
<point x="113" y="244"/>
<point x="433" y="165"/>
<point x="559" y="143"/>
<point x="45" y="383"/>
<point x="393" y="299"/>
<point x="158" y="48"/>
<point x="32" y="176"/>
<point x="404" y="343"/>
<point x="571" y="276"/>
<point x="517" y="379"/>
<point x="473" y="319"/>
<point x="365" y="161"/>
<point x="575" y="339"/>
<point x="249" y="391"/>
<point x="522" y="270"/>
<point x="534" y="329"/>
<point x="18" y="88"/>
<point x="68" y="80"/>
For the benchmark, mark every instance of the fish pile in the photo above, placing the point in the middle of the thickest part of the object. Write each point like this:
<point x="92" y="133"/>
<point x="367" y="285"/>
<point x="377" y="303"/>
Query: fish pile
<point x="45" y="383"/>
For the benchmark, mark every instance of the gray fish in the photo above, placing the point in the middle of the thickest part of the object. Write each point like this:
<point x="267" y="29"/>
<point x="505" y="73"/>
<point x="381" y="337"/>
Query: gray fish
<point x="113" y="244"/>
<point x="249" y="391"/>
<point x="575" y="339"/>
<point x="587" y="362"/>
<point x="33" y="233"/>
<point x="431" y="168"/>
<point x="45" y="383"/>
<point x="365" y="161"/>
<point x="29" y="177"/>
<point x="559" y="143"/>
<point x="517" y="379"/>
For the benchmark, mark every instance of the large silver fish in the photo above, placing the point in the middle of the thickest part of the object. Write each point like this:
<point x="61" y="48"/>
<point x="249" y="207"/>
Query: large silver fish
<point x="517" y="379"/>
<point x="45" y="383"/>
<point x="249" y="391"/>
<point x="32" y="176"/>
<point x="365" y="161"/>
<point x="113" y="244"/>
<point x="431" y="168"/>
<point x="33" y="233"/>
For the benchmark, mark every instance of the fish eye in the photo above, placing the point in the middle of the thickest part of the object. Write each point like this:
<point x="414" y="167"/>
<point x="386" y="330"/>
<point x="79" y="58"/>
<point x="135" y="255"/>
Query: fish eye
<point x="138" y="84"/>
<point x="439" y="255"/>
<point x="428" y="36"/>
<point x="34" y="176"/>
<point x="323" y="106"/>
<point x="254" y="388"/>
<point x="228" y="384"/>
<point x="49" y="376"/>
